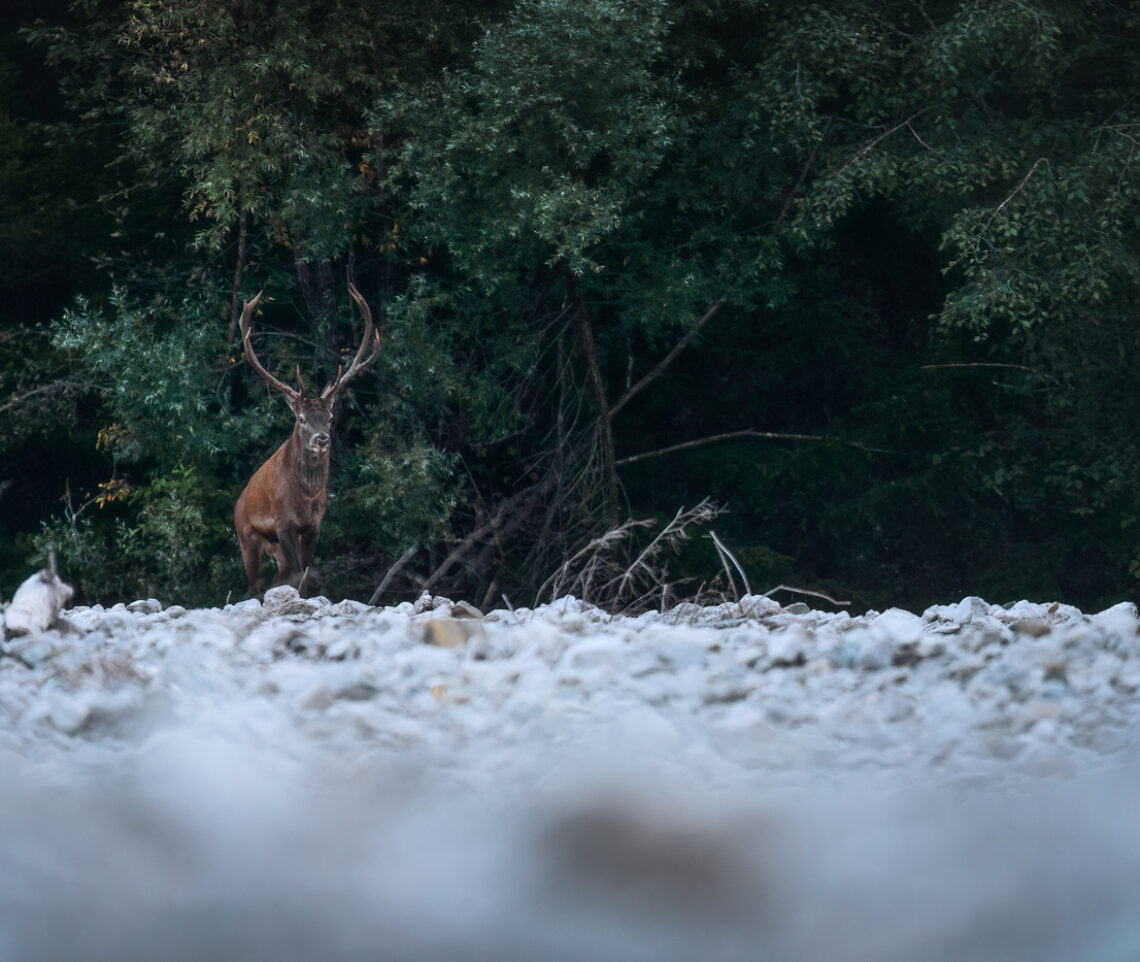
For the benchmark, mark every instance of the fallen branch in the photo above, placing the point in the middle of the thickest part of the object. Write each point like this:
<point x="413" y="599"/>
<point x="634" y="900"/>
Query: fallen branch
<point x="516" y="506"/>
<point x="392" y="572"/>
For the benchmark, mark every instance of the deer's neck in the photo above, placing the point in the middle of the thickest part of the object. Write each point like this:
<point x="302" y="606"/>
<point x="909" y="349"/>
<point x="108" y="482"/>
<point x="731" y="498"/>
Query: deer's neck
<point x="312" y="467"/>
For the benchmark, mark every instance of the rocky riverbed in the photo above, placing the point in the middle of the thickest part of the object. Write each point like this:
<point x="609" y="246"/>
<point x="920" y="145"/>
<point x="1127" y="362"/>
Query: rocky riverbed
<point x="303" y="779"/>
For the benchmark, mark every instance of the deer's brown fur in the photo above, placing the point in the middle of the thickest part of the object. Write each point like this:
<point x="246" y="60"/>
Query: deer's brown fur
<point x="280" y="511"/>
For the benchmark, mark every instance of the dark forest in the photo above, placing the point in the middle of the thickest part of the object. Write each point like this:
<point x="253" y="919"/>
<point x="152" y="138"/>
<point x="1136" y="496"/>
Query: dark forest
<point x="854" y="285"/>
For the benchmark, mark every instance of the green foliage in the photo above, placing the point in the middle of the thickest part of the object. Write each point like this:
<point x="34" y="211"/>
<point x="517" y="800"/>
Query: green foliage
<point x="535" y="154"/>
<point x="151" y="366"/>
<point x="166" y="547"/>
<point x="393" y="495"/>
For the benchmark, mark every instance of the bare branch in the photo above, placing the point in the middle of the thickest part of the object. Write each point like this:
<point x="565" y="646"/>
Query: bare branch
<point x="727" y="570"/>
<point x="872" y="144"/>
<point x="670" y="535"/>
<point x="921" y="141"/>
<point x="770" y="435"/>
<point x="800" y="182"/>
<point x="591" y="550"/>
<point x="665" y="361"/>
<point x="517" y="506"/>
<point x="613" y="572"/>
<point x="17" y="399"/>
<point x="605" y="413"/>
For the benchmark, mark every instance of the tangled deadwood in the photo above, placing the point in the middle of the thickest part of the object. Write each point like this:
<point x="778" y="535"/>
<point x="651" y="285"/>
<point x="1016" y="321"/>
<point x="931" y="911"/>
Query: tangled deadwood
<point x="621" y="570"/>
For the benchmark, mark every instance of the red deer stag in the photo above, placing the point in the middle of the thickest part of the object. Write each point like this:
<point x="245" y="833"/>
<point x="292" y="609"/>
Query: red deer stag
<point x="279" y="513"/>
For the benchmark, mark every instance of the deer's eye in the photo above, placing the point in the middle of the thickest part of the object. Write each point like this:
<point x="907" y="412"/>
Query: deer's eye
<point x="301" y="418"/>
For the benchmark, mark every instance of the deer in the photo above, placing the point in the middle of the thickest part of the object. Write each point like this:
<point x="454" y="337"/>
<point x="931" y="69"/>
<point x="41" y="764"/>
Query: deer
<point x="280" y="510"/>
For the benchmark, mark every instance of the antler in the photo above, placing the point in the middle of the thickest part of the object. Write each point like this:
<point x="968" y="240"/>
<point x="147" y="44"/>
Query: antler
<point x="359" y="363"/>
<point x="246" y="313"/>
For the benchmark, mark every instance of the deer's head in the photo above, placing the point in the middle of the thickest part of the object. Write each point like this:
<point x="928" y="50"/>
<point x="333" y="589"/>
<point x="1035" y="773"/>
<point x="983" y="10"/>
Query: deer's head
<point x="314" y="415"/>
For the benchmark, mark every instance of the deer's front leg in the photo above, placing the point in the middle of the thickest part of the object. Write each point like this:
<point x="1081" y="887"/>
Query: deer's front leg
<point x="308" y="545"/>
<point x="290" y="554"/>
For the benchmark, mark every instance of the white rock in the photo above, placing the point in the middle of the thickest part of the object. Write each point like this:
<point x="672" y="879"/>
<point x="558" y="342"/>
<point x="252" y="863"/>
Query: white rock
<point x="284" y="600"/>
<point x="790" y="647"/>
<point x="595" y="652"/>
<point x="37" y="604"/>
<point x="1120" y="625"/>
<point x="970" y="609"/>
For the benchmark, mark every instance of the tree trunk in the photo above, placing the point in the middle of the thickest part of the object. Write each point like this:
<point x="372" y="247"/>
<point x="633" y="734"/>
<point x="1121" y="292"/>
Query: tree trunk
<point x="605" y="434"/>
<point x="239" y="268"/>
<point x="315" y="281"/>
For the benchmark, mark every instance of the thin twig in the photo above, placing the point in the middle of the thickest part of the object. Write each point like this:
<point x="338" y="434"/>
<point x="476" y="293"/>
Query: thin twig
<point x="510" y="607"/>
<point x="921" y="141"/>
<point x="1013" y="193"/>
<point x="805" y="591"/>
<point x="872" y="144"/>
<point x="727" y="570"/>
<point x="391" y="573"/>
<point x="722" y="547"/>
<point x="1016" y="367"/>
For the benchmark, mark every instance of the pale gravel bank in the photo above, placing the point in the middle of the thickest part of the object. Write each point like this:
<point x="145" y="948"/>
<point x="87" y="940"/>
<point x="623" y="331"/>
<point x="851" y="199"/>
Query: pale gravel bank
<point x="309" y="780"/>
